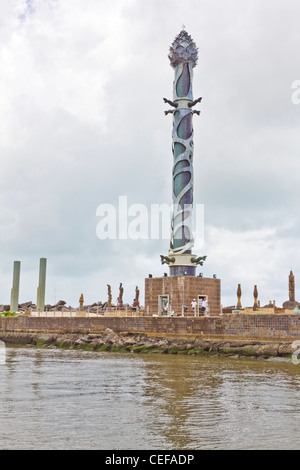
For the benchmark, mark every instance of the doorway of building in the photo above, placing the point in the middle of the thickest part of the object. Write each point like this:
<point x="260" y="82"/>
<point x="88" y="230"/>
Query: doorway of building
<point x="200" y="301"/>
<point x="163" y="304"/>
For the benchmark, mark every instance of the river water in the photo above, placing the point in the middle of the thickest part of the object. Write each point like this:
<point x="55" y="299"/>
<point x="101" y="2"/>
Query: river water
<point x="67" y="399"/>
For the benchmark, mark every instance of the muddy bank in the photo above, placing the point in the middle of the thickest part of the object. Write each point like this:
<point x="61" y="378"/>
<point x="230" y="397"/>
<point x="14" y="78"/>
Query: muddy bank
<point x="142" y="343"/>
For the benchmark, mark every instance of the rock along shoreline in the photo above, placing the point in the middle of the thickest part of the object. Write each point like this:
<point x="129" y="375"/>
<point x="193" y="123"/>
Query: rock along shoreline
<point x="143" y="343"/>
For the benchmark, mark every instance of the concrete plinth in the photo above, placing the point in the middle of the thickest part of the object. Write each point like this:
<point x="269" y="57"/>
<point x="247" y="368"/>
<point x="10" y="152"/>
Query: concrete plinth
<point x="182" y="265"/>
<point x="14" y="303"/>
<point x="81" y="313"/>
<point x="40" y="304"/>
<point x="169" y="294"/>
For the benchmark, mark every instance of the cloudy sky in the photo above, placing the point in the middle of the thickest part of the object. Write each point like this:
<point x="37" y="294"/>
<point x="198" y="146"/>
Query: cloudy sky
<point x="82" y="123"/>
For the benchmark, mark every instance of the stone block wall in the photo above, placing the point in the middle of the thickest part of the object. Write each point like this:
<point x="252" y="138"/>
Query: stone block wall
<point x="182" y="290"/>
<point x="256" y="326"/>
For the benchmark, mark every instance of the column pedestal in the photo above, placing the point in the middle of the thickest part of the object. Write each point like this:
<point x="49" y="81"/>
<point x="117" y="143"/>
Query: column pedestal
<point x="172" y="295"/>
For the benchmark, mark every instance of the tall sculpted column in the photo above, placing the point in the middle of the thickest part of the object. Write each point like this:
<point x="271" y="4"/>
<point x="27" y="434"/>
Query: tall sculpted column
<point x="291" y="287"/>
<point x="183" y="58"/>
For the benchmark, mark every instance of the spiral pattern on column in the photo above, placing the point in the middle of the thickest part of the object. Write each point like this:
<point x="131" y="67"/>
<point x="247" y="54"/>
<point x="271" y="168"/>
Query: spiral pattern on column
<point x="183" y="57"/>
<point x="181" y="236"/>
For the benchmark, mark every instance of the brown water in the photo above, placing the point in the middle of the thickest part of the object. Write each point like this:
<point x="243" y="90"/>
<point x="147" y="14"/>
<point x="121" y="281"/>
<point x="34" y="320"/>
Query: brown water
<point x="58" y="399"/>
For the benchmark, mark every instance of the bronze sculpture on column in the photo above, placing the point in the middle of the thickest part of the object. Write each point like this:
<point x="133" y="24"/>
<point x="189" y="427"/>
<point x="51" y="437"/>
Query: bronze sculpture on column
<point x="239" y="294"/>
<point x="136" y="302"/>
<point x="81" y="303"/>
<point x="255" y="295"/>
<point x="291" y="303"/>
<point x="109" y="297"/>
<point x="120" y="298"/>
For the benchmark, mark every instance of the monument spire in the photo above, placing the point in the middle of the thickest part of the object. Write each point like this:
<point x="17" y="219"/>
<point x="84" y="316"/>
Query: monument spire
<point x="291" y="287"/>
<point x="291" y="303"/>
<point x="183" y="57"/>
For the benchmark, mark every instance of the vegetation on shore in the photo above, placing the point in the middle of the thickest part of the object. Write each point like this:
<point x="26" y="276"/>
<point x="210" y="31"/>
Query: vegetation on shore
<point x="8" y="314"/>
<point x="143" y="344"/>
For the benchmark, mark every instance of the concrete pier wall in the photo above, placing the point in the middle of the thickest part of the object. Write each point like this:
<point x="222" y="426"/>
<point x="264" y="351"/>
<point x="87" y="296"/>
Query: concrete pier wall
<point x="256" y="326"/>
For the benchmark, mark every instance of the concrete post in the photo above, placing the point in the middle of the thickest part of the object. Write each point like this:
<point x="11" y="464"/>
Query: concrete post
<point x="14" y="303"/>
<point x="40" y="303"/>
<point x="38" y="299"/>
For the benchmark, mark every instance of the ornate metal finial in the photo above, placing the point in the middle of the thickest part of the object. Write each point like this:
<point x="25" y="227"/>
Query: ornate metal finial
<point x="183" y="50"/>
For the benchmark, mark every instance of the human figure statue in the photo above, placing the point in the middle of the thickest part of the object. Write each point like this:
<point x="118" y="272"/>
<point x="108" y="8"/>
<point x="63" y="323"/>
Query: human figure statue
<point x="109" y="296"/>
<point x="120" y="298"/>
<point x="81" y="303"/>
<point x="137" y="294"/>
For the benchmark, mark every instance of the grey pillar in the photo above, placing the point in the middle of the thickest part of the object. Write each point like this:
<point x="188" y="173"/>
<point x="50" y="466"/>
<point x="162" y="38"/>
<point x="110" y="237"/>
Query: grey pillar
<point x="40" y="304"/>
<point x="14" y="302"/>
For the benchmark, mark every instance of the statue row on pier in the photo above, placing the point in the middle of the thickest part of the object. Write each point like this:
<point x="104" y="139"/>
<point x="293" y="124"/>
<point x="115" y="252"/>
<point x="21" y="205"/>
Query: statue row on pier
<point x="288" y="305"/>
<point x="120" y="304"/>
<point x="136" y="302"/>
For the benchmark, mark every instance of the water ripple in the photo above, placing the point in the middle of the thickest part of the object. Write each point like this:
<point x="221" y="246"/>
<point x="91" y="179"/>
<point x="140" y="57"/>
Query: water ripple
<point x="53" y="399"/>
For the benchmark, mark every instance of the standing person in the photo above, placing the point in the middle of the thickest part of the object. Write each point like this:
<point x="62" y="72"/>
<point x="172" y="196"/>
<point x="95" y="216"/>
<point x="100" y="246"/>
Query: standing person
<point x="200" y="306"/>
<point x="194" y="305"/>
<point x="204" y="305"/>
